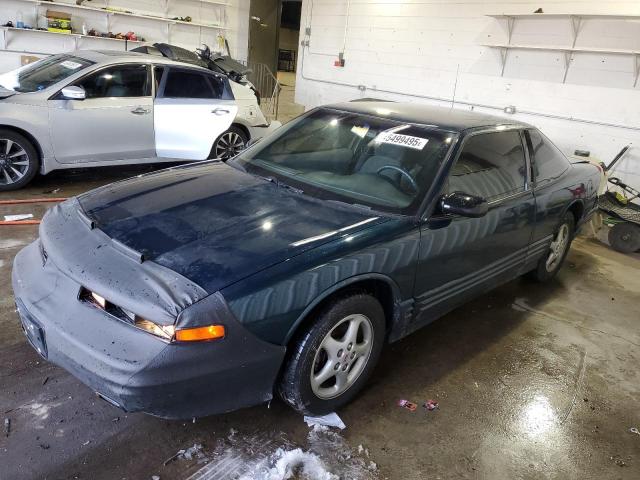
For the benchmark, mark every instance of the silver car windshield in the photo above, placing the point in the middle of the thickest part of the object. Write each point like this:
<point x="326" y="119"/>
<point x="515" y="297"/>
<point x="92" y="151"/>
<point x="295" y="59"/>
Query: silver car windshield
<point x="366" y="160"/>
<point x="43" y="73"/>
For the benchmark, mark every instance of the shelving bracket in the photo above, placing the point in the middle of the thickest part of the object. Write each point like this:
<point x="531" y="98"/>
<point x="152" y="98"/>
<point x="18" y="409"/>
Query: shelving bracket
<point x="576" y="25"/>
<point x="567" y="62"/>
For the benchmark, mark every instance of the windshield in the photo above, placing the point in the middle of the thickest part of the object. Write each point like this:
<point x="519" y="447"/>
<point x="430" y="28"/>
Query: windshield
<point x="43" y="73"/>
<point x="354" y="158"/>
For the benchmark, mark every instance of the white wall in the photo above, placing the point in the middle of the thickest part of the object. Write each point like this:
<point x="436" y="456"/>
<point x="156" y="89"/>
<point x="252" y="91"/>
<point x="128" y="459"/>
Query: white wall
<point x="234" y="16"/>
<point x="430" y="51"/>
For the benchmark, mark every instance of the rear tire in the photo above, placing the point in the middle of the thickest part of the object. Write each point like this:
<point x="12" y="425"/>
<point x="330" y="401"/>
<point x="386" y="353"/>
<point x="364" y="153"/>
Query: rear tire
<point x="625" y="237"/>
<point x="552" y="261"/>
<point x="19" y="161"/>
<point x="229" y="144"/>
<point x="333" y="359"/>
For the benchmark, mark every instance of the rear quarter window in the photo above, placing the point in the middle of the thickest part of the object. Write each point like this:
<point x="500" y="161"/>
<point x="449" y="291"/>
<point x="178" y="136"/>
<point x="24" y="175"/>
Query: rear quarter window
<point x="548" y="162"/>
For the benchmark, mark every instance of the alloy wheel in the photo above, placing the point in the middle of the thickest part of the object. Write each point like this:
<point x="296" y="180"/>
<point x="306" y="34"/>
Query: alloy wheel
<point x="558" y="247"/>
<point x="14" y="161"/>
<point x="229" y="145"/>
<point x="342" y="356"/>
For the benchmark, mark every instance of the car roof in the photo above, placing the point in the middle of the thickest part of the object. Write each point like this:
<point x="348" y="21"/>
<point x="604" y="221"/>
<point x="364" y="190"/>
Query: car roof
<point x="107" y="57"/>
<point x="449" y="119"/>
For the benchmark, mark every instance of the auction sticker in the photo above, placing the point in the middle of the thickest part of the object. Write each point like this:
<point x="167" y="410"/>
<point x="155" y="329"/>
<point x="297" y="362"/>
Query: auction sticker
<point x="416" y="143"/>
<point x="71" y="65"/>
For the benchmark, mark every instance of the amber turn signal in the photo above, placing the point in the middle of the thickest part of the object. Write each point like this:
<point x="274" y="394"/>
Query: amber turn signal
<point x="198" y="334"/>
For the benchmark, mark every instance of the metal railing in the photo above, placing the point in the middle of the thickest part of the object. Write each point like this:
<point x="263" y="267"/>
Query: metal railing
<point x="267" y="84"/>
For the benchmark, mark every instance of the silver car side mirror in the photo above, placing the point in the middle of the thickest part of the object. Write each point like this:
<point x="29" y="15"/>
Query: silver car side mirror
<point x="73" y="93"/>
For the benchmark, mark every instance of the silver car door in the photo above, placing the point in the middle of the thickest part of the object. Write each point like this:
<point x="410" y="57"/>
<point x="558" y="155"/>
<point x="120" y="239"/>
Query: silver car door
<point x="191" y="110"/>
<point x="113" y="122"/>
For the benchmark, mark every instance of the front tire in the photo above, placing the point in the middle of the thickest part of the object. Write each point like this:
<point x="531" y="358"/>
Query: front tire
<point x="229" y="144"/>
<point x="333" y="359"/>
<point x="19" y="161"/>
<point x="552" y="261"/>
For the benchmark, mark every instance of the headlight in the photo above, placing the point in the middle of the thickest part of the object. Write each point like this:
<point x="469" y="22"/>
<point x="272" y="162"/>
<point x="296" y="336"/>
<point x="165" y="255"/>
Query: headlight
<point x="166" y="332"/>
<point x="163" y="331"/>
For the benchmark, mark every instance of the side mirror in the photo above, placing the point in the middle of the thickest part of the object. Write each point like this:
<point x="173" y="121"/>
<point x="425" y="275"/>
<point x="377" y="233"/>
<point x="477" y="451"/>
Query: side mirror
<point x="463" y="204"/>
<point x="73" y="93"/>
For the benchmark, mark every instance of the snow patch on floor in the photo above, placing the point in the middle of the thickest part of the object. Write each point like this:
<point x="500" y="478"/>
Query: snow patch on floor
<point x="326" y="456"/>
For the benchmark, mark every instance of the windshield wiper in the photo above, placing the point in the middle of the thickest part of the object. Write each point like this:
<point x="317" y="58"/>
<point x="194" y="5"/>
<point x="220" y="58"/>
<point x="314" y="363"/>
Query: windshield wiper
<point x="279" y="184"/>
<point x="349" y="204"/>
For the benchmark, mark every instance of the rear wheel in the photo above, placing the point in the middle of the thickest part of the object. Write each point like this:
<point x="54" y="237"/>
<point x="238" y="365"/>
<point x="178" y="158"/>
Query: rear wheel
<point x="18" y="160"/>
<point x="229" y="144"/>
<point x="332" y="360"/>
<point x="552" y="261"/>
<point x="625" y="237"/>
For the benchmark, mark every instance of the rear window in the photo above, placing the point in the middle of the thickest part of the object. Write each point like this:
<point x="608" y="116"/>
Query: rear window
<point x="548" y="161"/>
<point x="185" y="84"/>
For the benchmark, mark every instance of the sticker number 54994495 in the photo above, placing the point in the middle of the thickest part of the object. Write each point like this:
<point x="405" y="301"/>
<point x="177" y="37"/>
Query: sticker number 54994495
<point x="403" y="140"/>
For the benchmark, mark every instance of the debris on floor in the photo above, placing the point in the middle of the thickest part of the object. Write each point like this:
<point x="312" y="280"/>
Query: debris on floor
<point x="329" y="420"/>
<point x="7" y="427"/>
<point x="18" y="217"/>
<point x="634" y="430"/>
<point x="431" y="405"/>
<point x="408" y="405"/>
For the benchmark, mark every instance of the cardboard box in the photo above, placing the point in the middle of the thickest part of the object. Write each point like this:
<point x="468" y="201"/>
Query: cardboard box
<point x="58" y="15"/>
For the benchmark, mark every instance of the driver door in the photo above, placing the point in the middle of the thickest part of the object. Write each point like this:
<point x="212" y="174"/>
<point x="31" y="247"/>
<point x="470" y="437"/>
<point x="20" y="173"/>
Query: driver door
<point x="460" y="256"/>
<point x="113" y="122"/>
<point x="191" y="110"/>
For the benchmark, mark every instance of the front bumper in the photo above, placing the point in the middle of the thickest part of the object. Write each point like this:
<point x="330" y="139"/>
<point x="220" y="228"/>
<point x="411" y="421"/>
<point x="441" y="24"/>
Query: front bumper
<point x="131" y="368"/>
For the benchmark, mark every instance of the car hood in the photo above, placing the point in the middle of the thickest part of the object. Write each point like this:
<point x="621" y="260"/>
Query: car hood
<point x="214" y="224"/>
<point x="6" y="93"/>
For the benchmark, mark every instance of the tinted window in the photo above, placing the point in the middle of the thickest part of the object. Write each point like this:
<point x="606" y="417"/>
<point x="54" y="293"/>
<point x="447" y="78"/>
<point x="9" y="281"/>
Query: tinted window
<point x="353" y="158"/>
<point x="184" y="84"/>
<point x="548" y="161"/>
<point x="119" y="81"/>
<point x="491" y="165"/>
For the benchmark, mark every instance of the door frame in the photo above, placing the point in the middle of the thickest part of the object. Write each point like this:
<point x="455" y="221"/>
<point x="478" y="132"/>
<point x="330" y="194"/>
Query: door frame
<point x="426" y="212"/>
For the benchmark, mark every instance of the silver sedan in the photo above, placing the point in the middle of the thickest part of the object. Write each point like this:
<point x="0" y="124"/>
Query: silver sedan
<point x="99" y="108"/>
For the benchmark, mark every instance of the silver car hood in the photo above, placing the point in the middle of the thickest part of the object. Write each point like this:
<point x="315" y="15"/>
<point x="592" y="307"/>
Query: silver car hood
<point x="6" y="93"/>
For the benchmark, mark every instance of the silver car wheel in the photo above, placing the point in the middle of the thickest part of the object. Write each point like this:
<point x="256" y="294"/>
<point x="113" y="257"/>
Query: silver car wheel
<point x="558" y="247"/>
<point x="229" y="145"/>
<point x="342" y="356"/>
<point x="14" y="161"/>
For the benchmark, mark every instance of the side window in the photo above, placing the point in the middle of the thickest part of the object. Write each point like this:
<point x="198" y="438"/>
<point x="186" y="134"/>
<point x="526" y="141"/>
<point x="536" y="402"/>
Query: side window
<point x="117" y="81"/>
<point x="491" y="165"/>
<point x="187" y="84"/>
<point x="548" y="162"/>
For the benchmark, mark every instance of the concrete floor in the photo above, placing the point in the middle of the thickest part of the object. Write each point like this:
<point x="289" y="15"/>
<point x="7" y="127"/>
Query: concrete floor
<point x="533" y="381"/>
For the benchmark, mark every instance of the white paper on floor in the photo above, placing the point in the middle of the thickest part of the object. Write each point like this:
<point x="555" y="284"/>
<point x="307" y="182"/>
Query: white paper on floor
<point x="16" y="218"/>
<point x="329" y="420"/>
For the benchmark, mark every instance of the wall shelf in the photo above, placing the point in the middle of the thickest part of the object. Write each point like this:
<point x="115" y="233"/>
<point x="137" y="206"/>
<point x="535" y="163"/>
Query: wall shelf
<point x="6" y="39"/>
<point x="165" y="19"/>
<point x="568" y="51"/>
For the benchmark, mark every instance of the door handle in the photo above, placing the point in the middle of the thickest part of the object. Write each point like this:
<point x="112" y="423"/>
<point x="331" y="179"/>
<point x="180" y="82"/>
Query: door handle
<point x="140" y="111"/>
<point x="220" y="111"/>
